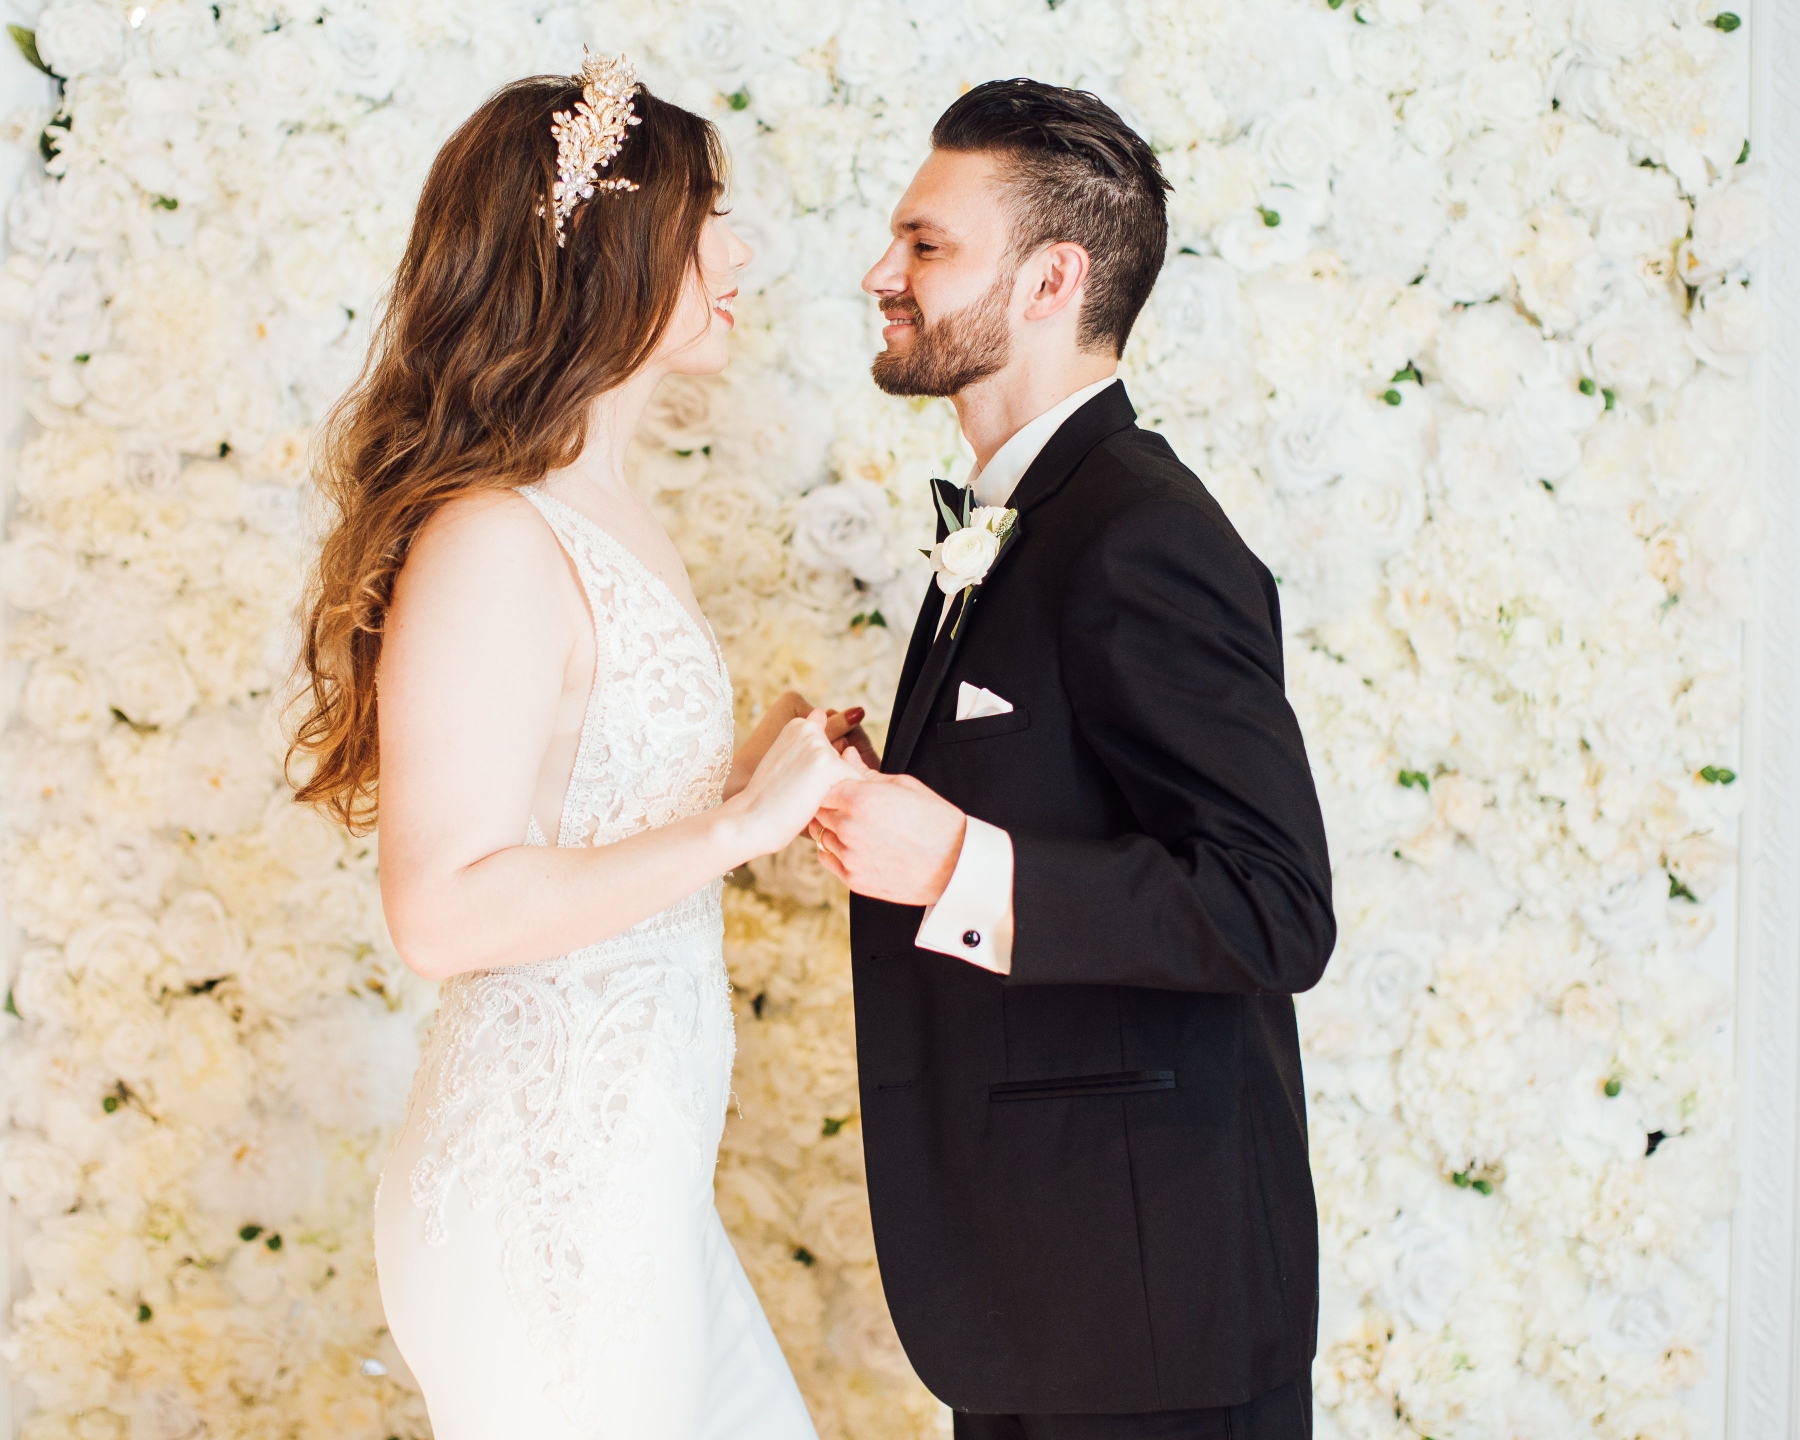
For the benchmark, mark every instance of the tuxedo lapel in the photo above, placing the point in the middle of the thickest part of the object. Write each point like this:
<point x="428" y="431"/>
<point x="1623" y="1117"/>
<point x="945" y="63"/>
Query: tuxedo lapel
<point x="928" y="663"/>
<point x="925" y="627"/>
<point x="1106" y="414"/>
<point x="917" y="703"/>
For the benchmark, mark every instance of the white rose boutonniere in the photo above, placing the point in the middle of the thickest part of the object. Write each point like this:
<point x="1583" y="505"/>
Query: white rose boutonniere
<point x="962" y="559"/>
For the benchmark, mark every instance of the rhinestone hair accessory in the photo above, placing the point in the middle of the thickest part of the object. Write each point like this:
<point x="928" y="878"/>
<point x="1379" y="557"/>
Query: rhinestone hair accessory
<point x="590" y="135"/>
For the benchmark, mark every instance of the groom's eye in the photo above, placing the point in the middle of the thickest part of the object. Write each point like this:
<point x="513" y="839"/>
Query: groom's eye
<point x="922" y="247"/>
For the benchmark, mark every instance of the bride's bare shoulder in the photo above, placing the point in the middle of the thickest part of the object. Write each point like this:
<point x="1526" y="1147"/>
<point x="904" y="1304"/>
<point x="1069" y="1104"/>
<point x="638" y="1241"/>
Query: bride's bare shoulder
<point x="482" y="539"/>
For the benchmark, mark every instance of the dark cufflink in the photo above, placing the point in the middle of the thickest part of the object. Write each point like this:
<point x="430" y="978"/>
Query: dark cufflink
<point x="971" y="938"/>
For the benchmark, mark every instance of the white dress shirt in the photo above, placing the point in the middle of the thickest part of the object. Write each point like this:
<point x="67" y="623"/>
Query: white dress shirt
<point x="977" y="904"/>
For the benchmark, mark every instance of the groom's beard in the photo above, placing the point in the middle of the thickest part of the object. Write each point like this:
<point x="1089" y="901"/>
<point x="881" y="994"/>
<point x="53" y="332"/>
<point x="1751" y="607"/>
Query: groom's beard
<point x="951" y="354"/>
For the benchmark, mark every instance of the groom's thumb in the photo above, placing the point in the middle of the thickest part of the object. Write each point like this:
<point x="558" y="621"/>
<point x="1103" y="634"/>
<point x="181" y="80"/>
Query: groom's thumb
<point x="854" y="756"/>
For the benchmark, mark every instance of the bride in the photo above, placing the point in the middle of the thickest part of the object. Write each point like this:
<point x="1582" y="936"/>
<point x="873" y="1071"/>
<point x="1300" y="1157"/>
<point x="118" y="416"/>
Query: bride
<point x="558" y="793"/>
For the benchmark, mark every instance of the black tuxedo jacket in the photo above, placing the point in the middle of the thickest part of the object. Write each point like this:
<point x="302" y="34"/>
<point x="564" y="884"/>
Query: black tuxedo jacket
<point x="1089" y="1178"/>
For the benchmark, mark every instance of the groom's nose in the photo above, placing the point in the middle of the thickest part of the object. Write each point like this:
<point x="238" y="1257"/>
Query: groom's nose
<point x="884" y="277"/>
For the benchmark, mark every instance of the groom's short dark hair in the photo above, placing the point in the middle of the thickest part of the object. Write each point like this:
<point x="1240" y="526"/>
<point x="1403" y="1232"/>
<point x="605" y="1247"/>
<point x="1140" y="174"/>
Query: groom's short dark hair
<point x="1077" y="172"/>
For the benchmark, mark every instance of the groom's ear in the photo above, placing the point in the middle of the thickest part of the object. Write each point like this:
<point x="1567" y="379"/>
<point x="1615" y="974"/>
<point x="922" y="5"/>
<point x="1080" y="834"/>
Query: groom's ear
<point x="1057" y="274"/>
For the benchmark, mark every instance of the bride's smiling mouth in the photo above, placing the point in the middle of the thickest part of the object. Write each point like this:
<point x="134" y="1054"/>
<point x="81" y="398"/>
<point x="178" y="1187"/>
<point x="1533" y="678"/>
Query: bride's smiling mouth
<point x="722" y="307"/>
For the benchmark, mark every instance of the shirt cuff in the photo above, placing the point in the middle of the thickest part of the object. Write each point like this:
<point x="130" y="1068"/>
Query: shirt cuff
<point x="973" y="918"/>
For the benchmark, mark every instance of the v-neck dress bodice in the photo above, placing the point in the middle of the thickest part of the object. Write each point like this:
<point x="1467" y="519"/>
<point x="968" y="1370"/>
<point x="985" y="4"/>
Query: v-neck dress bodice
<point x="565" y="1119"/>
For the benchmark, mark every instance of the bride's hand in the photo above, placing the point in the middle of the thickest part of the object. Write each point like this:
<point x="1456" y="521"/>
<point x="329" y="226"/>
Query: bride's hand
<point x="841" y="728"/>
<point x="785" y="790"/>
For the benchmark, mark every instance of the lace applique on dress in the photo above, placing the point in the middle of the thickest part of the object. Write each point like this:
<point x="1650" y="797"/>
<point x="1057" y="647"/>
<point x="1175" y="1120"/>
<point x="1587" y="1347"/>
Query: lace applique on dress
<point x="534" y="1080"/>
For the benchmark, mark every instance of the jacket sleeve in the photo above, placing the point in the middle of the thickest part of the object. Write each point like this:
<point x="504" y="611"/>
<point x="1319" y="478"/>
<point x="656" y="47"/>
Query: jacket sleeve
<point x="1171" y="659"/>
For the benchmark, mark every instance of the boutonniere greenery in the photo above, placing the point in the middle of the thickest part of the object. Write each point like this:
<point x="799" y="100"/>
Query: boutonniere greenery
<point x="962" y="559"/>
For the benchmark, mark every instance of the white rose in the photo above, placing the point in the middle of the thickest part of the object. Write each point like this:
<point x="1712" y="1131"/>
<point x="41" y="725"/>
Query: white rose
<point x="717" y="43"/>
<point x="862" y="1335"/>
<point x="1547" y="422"/>
<point x="1297" y="143"/>
<point x="286" y="976"/>
<point x="35" y="571"/>
<point x="1731" y="221"/>
<point x="78" y="37"/>
<point x="1630" y="916"/>
<point x="799" y="25"/>
<point x="1311" y="445"/>
<point x="184" y="39"/>
<point x="1586" y="166"/>
<point x="67" y="311"/>
<point x="1612" y="29"/>
<point x="42" y="1178"/>
<point x="1559" y="270"/>
<point x="1378" y="509"/>
<point x="1391" y="974"/>
<point x="1249" y="243"/>
<point x="200" y="936"/>
<point x="1196" y="308"/>
<point x="118" y="951"/>
<point x="206" y="1074"/>
<point x="371" y="54"/>
<point x="1436" y="121"/>
<point x="1473" y="260"/>
<point x="962" y="558"/>
<point x="1506" y="94"/>
<point x="133" y="1042"/>
<point x="61" y="700"/>
<point x="1729" y="326"/>
<point x="1637" y="348"/>
<point x="835" y="1223"/>
<point x="845" y="526"/>
<point x="31" y="219"/>
<point x="150" y="686"/>
<point x="1636" y="716"/>
<point x="260" y="571"/>
<point x="1645" y="215"/>
<point x="1430" y="1272"/>
<point x="43" y="991"/>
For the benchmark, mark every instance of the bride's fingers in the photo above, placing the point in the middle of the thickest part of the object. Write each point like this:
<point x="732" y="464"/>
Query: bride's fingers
<point x="839" y="723"/>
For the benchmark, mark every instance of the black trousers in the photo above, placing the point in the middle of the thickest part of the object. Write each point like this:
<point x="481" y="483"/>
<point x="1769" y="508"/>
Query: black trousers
<point x="1284" y="1413"/>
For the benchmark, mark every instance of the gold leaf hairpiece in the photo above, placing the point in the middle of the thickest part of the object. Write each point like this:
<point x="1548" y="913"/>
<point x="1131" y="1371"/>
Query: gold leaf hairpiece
<point x="590" y="135"/>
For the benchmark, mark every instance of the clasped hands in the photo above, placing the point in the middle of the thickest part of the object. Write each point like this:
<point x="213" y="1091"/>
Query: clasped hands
<point x="888" y="837"/>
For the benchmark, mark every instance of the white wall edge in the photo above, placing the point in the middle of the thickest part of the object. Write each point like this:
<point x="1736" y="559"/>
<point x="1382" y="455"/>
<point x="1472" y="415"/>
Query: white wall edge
<point x="1761" y="1360"/>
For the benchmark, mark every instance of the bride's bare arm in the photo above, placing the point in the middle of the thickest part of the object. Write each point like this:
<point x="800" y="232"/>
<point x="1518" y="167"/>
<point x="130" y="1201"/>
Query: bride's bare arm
<point x="481" y="627"/>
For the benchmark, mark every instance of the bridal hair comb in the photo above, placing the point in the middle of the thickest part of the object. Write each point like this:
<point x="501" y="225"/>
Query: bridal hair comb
<point x="590" y="135"/>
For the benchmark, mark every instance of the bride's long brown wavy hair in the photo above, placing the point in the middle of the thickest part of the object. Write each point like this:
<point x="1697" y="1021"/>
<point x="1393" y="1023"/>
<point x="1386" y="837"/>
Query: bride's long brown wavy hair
<point x="492" y="343"/>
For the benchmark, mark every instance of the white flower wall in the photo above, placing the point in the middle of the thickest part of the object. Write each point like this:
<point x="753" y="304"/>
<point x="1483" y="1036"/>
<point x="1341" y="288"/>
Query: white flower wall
<point x="1456" y="330"/>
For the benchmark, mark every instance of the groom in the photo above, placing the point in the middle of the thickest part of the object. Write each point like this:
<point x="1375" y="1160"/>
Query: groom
<point x="1091" y="872"/>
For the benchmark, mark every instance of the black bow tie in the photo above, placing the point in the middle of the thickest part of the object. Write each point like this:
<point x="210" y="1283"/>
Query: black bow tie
<point x="952" y="500"/>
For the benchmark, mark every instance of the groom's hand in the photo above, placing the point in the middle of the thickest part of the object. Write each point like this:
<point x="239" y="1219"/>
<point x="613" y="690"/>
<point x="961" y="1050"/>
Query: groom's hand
<point x="889" y="837"/>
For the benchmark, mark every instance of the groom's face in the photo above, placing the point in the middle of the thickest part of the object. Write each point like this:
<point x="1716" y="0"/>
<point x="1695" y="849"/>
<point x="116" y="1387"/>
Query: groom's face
<point x="946" y="282"/>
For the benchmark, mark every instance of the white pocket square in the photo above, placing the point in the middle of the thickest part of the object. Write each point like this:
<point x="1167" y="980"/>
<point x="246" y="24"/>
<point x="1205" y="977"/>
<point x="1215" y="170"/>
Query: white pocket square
<point x="972" y="702"/>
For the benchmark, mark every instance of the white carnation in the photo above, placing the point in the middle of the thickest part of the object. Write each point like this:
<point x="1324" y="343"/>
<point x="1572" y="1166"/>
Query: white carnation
<point x="1485" y="352"/>
<point x="42" y="1178"/>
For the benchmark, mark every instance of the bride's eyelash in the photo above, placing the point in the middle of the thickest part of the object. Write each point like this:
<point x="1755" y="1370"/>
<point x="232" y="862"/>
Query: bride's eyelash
<point x="721" y="214"/>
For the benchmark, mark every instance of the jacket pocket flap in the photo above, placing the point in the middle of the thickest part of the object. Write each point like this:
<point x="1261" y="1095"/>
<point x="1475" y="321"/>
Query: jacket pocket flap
<point x="1059" y="1087"/>
<point x="984" y="725"/>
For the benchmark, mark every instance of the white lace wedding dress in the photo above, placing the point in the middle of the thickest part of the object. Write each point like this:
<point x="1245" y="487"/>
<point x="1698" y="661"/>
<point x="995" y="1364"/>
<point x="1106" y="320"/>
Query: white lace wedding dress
<point x="550" y="1259"/>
